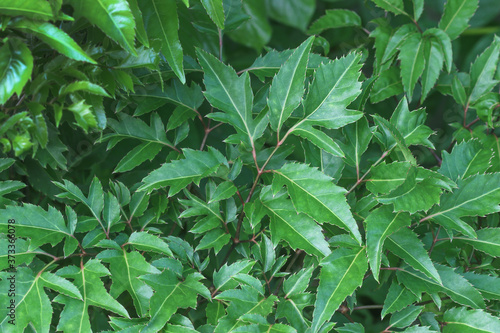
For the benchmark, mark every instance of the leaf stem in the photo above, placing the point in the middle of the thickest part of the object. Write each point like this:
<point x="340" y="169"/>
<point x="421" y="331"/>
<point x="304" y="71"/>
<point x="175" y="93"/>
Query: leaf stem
<point x="360" y="180"/>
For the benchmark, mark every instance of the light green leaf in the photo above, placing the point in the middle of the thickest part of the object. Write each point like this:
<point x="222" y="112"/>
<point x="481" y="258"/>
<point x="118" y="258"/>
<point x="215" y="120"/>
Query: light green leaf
<point x="341" y="273"/>
<point x="470" y="321"/>
<point x="299" y="230"/>
<point x="412" y="57"/>
<point x="434" y="60"/>
<point x="444" y="40"/>
<point x="16" y="65"/>
<point x="224" y="191"/>
<point x="405" y="317"/>
<point x="113" y="17"/>
<point x="215" y="10"/>
<point x="139" y="23"/>
<point x="396" y="138"/>
<point x="405" y="244"/>
<point x="34" y="9"/>
<point x="9" y="186"/>
<point x="179" y="173"/>
<point x="224" y="278"/>
<point x="488" y="286"/>
<point x="319" y="138"/>
<point x="312" y="192"/>
<point x="55" y="37"/>
<point x="358" y="137"/>
<point x="215" y="239"/>
<point x="335" y="18"/>
<point x="162" y="23"/>
<point x="380" y="224"/>
<point x="85" y="86"/>
<point x="298" y="282"/>
<point x="457" y="14"/>
<point x="418" y="8"/>
<point x="144" y="241"/>
<point x="287" y="87"/>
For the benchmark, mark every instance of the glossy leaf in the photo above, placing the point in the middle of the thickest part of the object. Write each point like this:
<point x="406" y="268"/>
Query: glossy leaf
<point x="16" y="65"/>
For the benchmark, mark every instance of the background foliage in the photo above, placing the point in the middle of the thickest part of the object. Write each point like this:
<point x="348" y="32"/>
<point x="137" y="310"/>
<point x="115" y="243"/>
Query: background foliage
<point x="250" y="166"/>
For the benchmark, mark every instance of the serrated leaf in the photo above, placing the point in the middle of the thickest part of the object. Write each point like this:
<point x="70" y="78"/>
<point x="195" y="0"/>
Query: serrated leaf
<point x="215" y="10"/>
<point x="466" y="159"/>
<point x="463" y="320"/>
<point x="224" y="191"/>
<point x="215" y="239"/>
<point x="55" y="37"/>
<point x="298" y="282"/>
<point x="487" y="241"/>
<point x="380" y="224"/>
<point x="34" y="9"/>
<point x="454" y="285"/>
<point x="125" y="268"/>
<point x="476" y="195"/>
<point x="319" y="138"/>
<point x="147" y="242"/>
<point x="394" y="6"/>
<point x="111" y="16"/>
<point x="171" y="294"/>
<point x="456" y="16"/>
<point x="287" y="86"/>
<point x="397" y="299"/>
<point x="162" y="23"/>
<point x="358" y="137"/>
<point x="405" y="244"/>
<point x="388" y="84"/>
<point x="390" y="131"/>
<point x="444" y="40"/>
<point x="74" y="316"/>
<point x="312" y="192"/>
<point x="483" y="71"/>
<point x="230" y="93"/>
<point x="488" y="286"/>
<point x="179" y="173"/>
<point x="223" y="279"/>
<point x="405" y="317"/>
<point x="138" y="155"/>
<point x="299" y="230"/>
<point x="335" y="18"/>
<point x="85" y="86"/>
<point x="434" y="60"/>
<point x="341" y="273"/>
<point x="16" y="65"/>
<point x="412" y="57"/>
<point x="335" y="86"/>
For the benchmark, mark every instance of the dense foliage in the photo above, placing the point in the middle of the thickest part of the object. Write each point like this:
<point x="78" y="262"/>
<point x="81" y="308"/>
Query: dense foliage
<point x="249" y="166"/>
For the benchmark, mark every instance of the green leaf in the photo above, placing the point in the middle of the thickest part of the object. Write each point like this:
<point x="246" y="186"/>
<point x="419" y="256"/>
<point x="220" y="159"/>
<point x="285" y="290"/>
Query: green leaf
<point x="74" y="316"/>
<point x="312" y="192"/>
<point x="434" y="60"/>
<point x="34" y="9"/>
<point x="323" y="105"/>
<point x="34" y="222"/>
<point x="299" y="230"/>
<point x="418" y="8"/>
<point x="388" y="84"/>
<point x="412" y="57"/>
<point x="113" y="17"/>
<point x="224" y="191"/>
<point x="476" y="195"/>
<point x="85" y="86"/>
<point x="483" y="71"/>
<point x="335" y="18"/>
<point x="125" y="268"/>
<point x="224" y="278"/>
<point x="298" y="282"/>
<point x="215" y="10"/>
<point x="341" y="273"/>
<point x="9" y="186"/>
<point x="380" y="224"/>
<point x="215" y="239"/>
<point x="456" y="16"/>
<point x="319" y="138"/>
<point x="405" y="317"/>
<point x="394" y="6"/>
<point x="396" y="138"/>
<point x="287" y="87"/>
<point x="294" y="13"/>
<point x="55" y="37"/>
<point x="487" y="241"/>
<point x="397" y="299"/>
<point x="397" y="39"/>
<point x="171" y="294"/>
<point x="463" y="320"/>
<point x="16" y="65"/>
<point x="467" y="158"/>
<point x="139" y="23"/>
<point x="229" y="93"/>
<point x="162" y="23"/>
<point x="144" y="241"/>
<point x="488" y="286"/>
<point x="444" y="40"/>
<point x="405" y="244"/>
<point x="138" y="155"/>
<point x="180" y="173"/>
<point x="358" y="137"/>
<point x="454" y="285"/>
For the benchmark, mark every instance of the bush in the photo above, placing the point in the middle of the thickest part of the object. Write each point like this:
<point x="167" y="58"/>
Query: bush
<point x="249" y="166"/>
